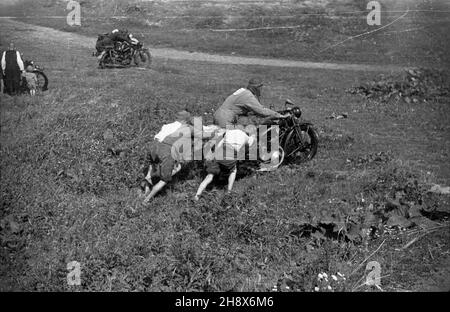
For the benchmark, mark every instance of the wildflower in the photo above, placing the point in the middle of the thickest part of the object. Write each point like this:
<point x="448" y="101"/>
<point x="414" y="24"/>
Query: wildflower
<point x="340" y="274"/>
<point x="325" y="275"/>
<point x="329" y="287"/>
<point x="334" y="277"/>
<point x="316" y="289"/>
<point x="320" y="276"/>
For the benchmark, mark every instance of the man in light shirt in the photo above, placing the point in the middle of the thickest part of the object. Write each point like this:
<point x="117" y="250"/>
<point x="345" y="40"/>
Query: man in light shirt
<point x="12" y="67"/>
<point x="233" y="143"/>
<point x="241" y="103"/>
<point x="167" y="153"/>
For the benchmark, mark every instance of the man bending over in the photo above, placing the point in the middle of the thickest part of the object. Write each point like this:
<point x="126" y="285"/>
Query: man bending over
<point x="233" y="141"/>
<point x="166" y="156"/>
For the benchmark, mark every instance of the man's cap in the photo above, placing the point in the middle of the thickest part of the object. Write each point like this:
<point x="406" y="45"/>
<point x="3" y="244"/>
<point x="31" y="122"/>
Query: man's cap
<point x="255" y="82"/>
<point x="183" y="116"/>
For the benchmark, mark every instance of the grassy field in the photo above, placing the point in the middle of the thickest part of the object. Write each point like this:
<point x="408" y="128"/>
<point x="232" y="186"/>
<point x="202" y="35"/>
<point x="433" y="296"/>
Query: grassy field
<point x="65" y="197"/>
<point x="319" y="31"/>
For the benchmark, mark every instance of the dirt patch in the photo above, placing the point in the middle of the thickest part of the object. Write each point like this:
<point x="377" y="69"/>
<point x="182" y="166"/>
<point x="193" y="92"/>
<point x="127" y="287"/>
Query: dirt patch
<point x="45" y="34"/>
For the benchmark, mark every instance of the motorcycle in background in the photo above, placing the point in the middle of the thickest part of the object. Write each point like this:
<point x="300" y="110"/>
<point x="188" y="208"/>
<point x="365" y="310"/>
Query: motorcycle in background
<point x="42" y="80"/>
<point x="124" y="54"/>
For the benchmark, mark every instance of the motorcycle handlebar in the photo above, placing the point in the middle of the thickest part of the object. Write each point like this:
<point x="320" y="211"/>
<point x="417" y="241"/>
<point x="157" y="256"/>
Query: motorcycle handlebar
<point x="284" y="112"/>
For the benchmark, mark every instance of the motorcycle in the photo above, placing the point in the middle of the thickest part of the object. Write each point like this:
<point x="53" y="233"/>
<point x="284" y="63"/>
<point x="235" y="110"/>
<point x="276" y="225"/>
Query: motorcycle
<point x="297" y="136"/>
<point x="42" y="80"/>
<point x="298" y="140"/>
<point x="124" y="54"/>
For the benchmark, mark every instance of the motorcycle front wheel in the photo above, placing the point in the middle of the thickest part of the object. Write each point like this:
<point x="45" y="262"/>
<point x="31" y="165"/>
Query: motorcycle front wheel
<point x="301" y="144"/>
<point x="143" y="58"/>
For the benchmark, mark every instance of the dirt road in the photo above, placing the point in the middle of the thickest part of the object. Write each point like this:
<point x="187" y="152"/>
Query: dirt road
<point x="49" y="36"/>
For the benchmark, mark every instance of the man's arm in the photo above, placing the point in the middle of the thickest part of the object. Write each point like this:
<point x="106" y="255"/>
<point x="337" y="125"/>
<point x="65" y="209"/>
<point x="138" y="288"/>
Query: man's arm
<point x="232" y="178"/>
<point x="155" y="190"/>
<point x="253" y="105"/>
<point x="203" y="185"/>
<point x="3" y="61"/>
<point x="19" y="61"/>
<point x="176" y="169"/>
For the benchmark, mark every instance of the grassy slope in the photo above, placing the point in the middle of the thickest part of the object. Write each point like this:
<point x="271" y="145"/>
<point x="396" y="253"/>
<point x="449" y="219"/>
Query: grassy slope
<point x="416" y="40"/>
<point x="69" y="197"/>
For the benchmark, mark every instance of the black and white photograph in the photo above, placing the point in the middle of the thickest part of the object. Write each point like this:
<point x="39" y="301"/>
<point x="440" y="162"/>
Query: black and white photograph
<point x="254" y="148"/>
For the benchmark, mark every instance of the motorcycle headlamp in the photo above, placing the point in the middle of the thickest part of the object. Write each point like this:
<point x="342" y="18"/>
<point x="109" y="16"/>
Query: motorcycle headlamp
<point x="297" y="112"/>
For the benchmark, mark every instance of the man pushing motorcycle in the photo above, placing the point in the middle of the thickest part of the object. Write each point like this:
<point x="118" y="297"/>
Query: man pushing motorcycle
<point x="165" y="158"/>
<point x="242" y="102"/>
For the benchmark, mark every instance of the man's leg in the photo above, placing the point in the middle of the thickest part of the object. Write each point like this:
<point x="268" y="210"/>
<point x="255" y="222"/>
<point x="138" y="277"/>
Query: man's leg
<point x="165" y="169"/>
<point x="154" y="168"/>
<point x="212" y="169"/>
<point x="7" y="85"/>
<point x="11" y="87"/>
<point x="160" y="185"/>
<point x="148" y="178"/>
<point x="16" y="85"/>
<point x="155" y="190"/>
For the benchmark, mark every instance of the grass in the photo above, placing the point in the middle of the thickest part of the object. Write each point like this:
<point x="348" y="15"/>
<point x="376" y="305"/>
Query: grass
<point x="65" y="197"/>
<point x="419" y="39"/>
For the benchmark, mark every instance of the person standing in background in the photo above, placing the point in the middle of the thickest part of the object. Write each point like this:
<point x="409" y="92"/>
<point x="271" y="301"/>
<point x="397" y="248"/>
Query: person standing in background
<point x="12" y="67"/>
